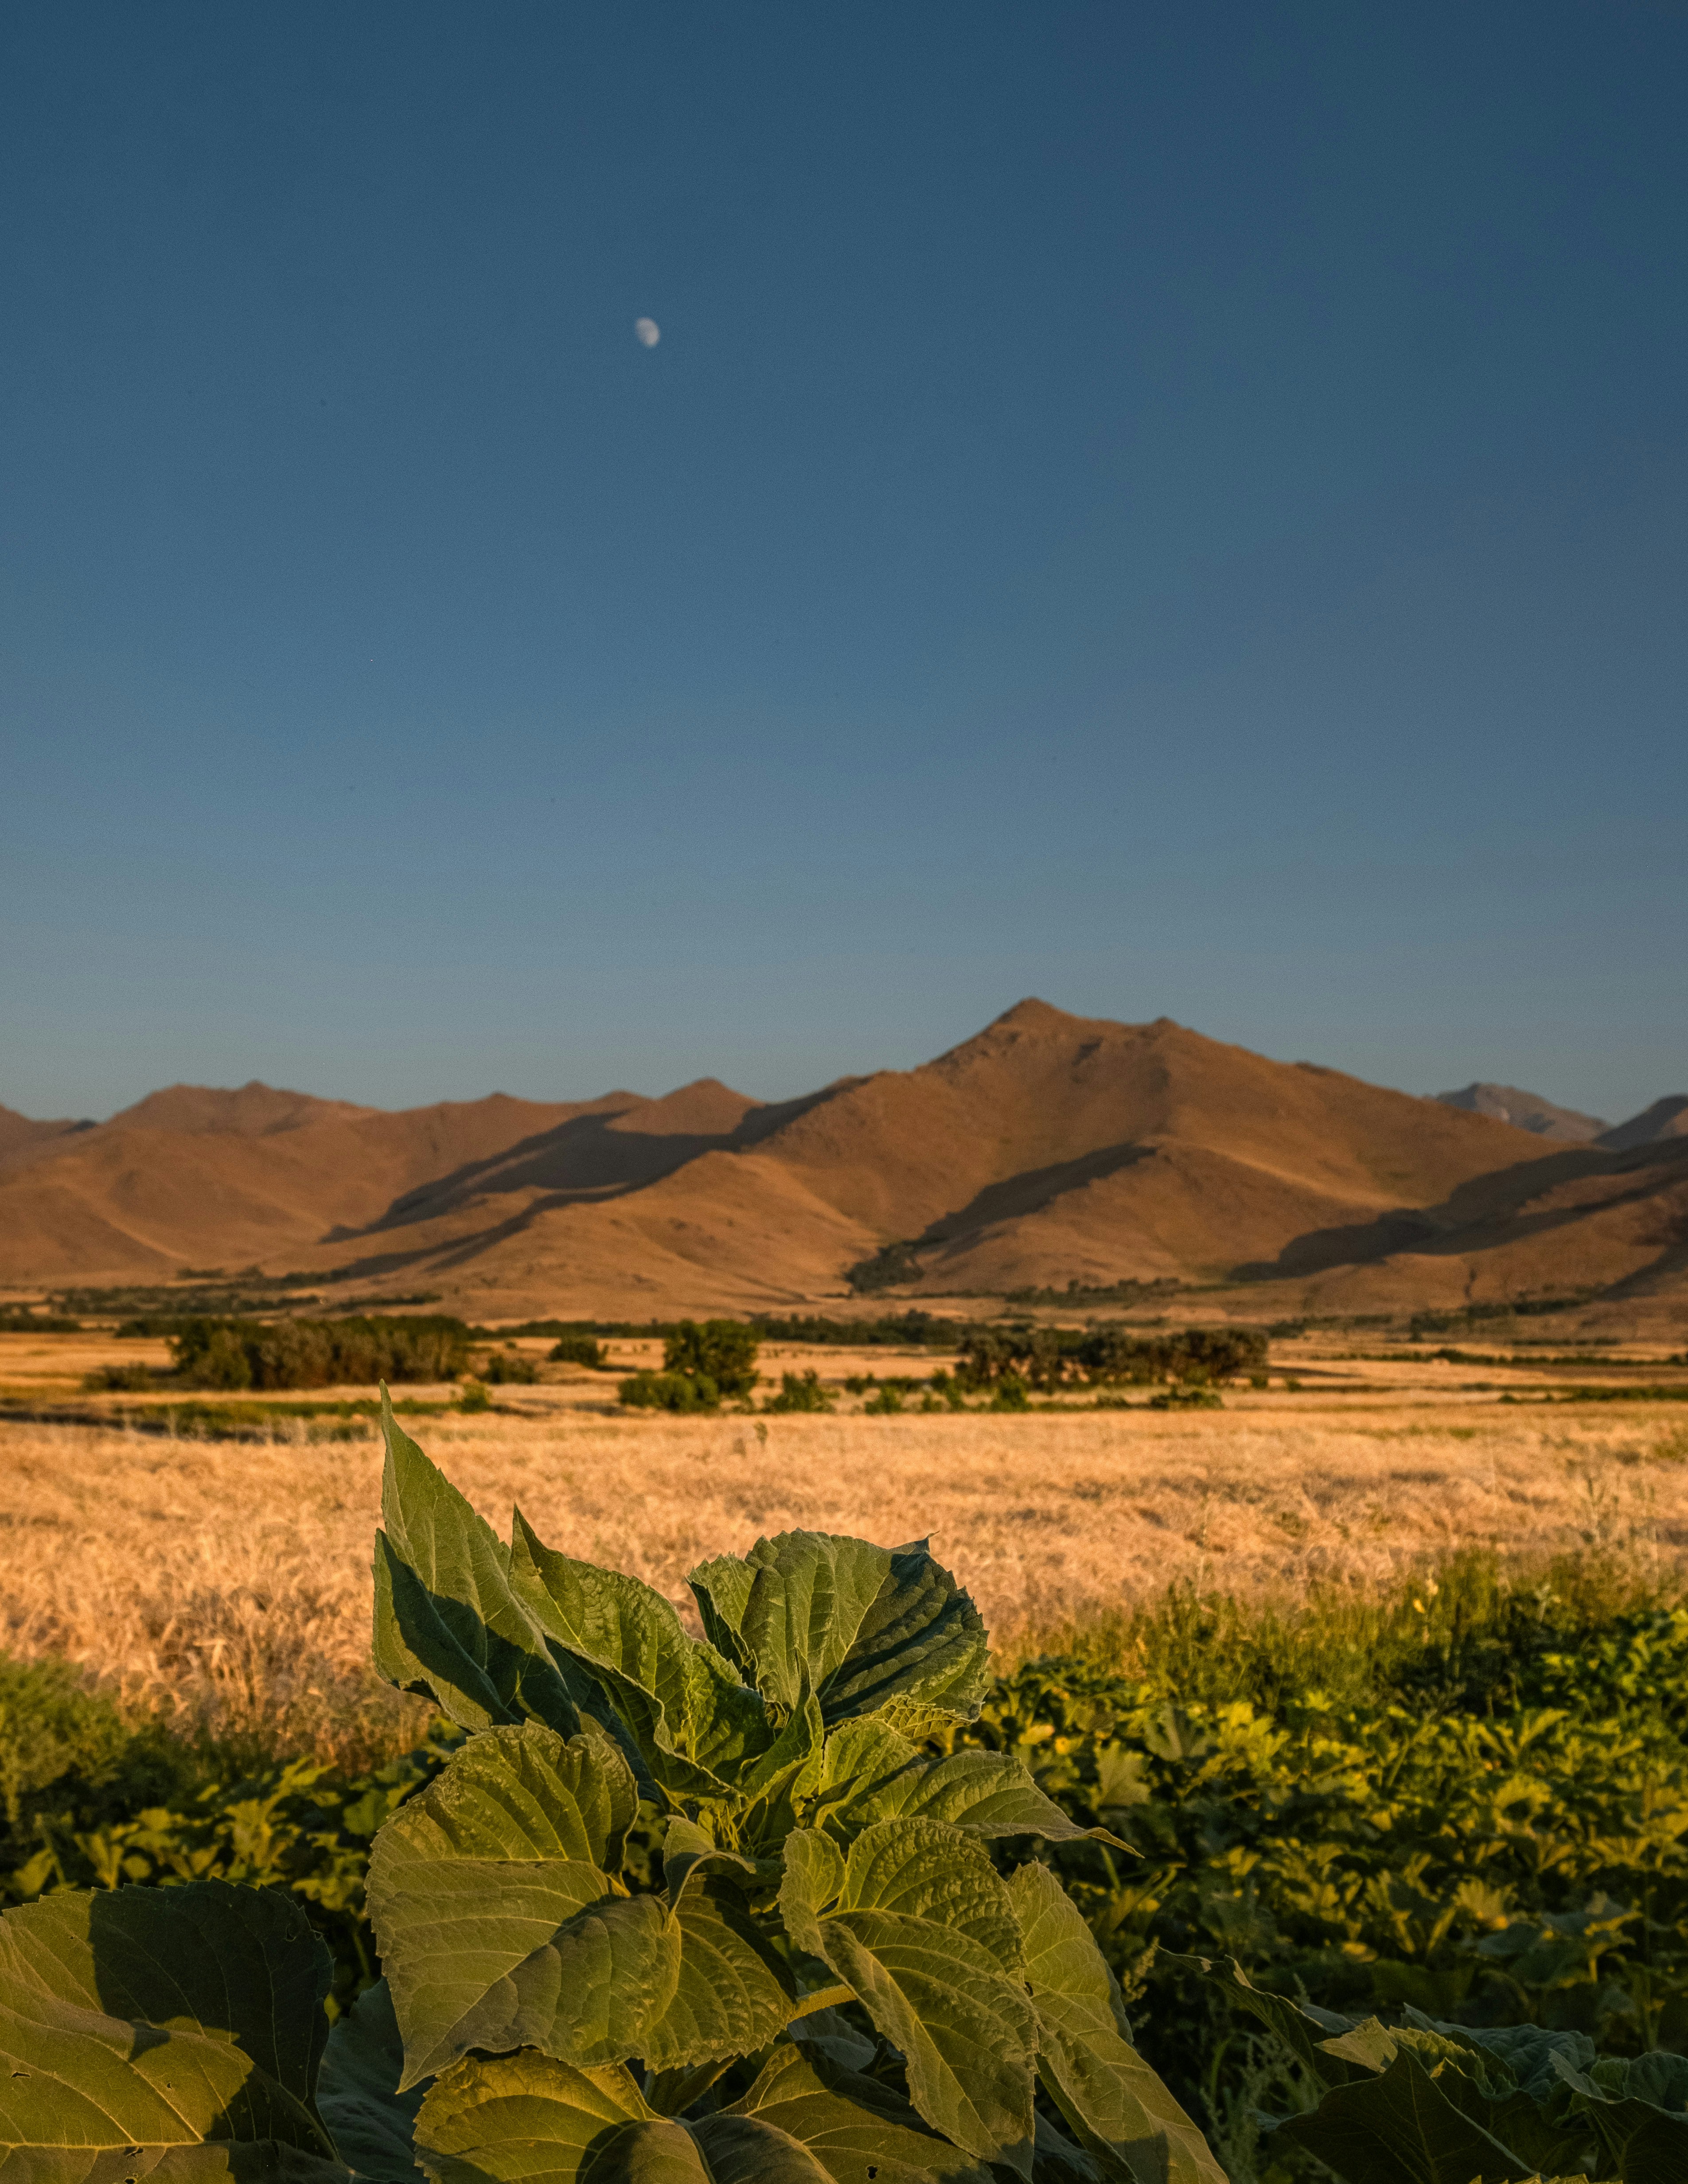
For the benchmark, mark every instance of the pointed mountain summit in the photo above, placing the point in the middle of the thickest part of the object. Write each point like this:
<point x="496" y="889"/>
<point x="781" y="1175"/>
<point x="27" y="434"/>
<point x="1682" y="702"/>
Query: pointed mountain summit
<point x="1526" y="1110"/>
<point x="1044" y="1152"/>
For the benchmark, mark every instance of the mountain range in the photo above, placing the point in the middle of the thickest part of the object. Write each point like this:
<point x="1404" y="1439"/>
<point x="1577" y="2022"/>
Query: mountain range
<point x="1050" y="1150"/>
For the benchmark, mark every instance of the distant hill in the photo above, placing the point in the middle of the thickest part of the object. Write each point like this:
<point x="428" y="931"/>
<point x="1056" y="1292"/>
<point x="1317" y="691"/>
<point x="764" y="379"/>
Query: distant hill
<point x="1665" y="1118"/>
<point x="1527" y="1110"/>
<point x="21" y="1139"/>
<point x="1048" y="1150"/>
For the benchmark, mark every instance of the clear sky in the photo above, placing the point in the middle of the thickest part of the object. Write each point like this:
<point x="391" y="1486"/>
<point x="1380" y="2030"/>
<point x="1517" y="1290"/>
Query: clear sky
<point x="1179" y="511"/>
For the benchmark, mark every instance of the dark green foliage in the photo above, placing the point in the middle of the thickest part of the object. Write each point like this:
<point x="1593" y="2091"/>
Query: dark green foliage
<point x="669" y="1391"/>
<point x="1009" y="1392"/>
<point x="20" y="1319"/>
<point x="474" y="1398"/>
<point x="1469" y="1798"/>
<point x="1191" y="1395"/>
<point x="719" y="1350"/>
<point x="579" y="1350"/>
<point x="318" y="1353"/>
<point x="799" y="1391"/>
<point x="509" y="1368"/>
<point x="890" y="1265"/>
<point x="887" y="1404"/>
<point x="905" y="1330"/>
<point x="1051" y="1357"/>
<point x="122" y="1380"/>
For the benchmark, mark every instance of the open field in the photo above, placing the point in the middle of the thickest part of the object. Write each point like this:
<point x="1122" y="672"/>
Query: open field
<point x="226" y="1582"/>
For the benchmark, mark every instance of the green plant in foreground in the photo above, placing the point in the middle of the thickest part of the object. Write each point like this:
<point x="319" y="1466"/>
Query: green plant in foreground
<point x="824" y="1975"/>
<point x="1430" y="2102"/>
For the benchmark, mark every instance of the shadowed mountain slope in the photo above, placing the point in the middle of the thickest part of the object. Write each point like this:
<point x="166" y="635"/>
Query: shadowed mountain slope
<point x="1665" y="1118"/>
<point x="1048" y="1150"/>
<point x="22" y="1140"/>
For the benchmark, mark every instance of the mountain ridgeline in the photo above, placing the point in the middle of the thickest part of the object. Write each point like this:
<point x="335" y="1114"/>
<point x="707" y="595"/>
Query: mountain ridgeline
<point x="1050" y="1153"/>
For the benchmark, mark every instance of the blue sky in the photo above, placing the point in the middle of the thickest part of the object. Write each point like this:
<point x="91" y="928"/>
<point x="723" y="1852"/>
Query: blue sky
<point x="1180" y="511"/>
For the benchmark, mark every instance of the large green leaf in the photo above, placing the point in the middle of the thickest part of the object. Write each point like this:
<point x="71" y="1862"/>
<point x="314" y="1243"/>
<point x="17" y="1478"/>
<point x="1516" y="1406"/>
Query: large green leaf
<point x="1116" y="2104"/>
<point x="1402" y="2127"/>
<point x="861" y="1625"/>
<point x="1314" y="2037"/>
<point x="370" y="2121"/>
<point x="531" y="2118"/>
<point x="869" y="1773"/>
<point x="527" y="2117"/>
<point x="923" y="1639"/>
<point x="1639" y="2112"/>
<point x="916" y="1922"/>
<point x="854" y="2126"/>
<point x="448" y="1622"/>
<point x="733" y="1991"/>
<point x="144" y="2022"/>
<point x="696" y="1724"/>
<point x="499" y="1923"/>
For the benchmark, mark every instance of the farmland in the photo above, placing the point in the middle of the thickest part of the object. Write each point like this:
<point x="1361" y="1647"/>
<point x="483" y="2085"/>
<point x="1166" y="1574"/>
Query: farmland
<point x="1378" y="1668"/>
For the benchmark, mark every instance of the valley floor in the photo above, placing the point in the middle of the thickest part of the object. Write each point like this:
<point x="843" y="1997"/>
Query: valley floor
<point x="227" y="1583"/>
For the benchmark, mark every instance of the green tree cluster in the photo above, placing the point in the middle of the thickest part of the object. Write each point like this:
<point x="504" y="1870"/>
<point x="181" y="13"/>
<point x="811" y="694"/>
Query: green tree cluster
<point x="234" y="1354"/>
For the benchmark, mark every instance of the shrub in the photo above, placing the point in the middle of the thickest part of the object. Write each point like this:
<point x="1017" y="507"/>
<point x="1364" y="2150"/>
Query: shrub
<point x="579" y="1350"/>
<point x="720" y="1350"/>
<point x="234" y="1354"/>
<point x="799" y="1391"/>
<point x="1049" y="1357"/>
<point x="669" y="1391"/>
<point x="509" y="1368"/>
<point x="887" y="1404"/>
<point x="474" y="1398"/>
<point x="1011" y="1394"/>
<point x="891" y="1264"/>
<point x="836" y="1967"/>
<point x="121" y="1379"/>
<point x="1195" y="1397"/>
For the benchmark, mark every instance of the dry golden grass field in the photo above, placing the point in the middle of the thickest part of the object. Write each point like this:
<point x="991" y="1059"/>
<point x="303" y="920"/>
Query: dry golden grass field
<point x="225" y="1583"/>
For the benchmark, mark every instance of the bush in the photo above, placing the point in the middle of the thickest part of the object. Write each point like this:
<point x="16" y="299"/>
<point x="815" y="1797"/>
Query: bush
<point x="887" y="1404"/>
<point x="799" y="1391"/>
<point x="234" y="1354"/>
<point x="509" y="1368"/>
<point x="580" y="1350"/>
<point x="889" y="1266"/>
<point x="474" y="1398"/>
<point x="720" y="1350"/>
<point x="1011" y="1394"/>
<point x="669" y="1391"/>
<point x="1051" y="1357"/>
<point x="121" y="1379"/>
<point x="1194" y="1397"/>
<point x="833" y="1966"/>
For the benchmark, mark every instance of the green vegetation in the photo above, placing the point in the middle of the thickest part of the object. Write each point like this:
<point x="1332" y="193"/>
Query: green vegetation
<point x="679" y="1909"/>
<point x="22" y="1319"/>
<point x="669" y="1391"/>
<point x="1051" y="1357"/>
<point x="702" y="1363"/>
<point x="1393" y="1857"/>
<point x="509" y="1368"/>
<point x="891" y="1265"/>
<point x="723" y="1351"/>
<point x="799" y="1391"/>
<point x="1077" y="1295"/>
<point x="236" y="1354"/>
<point x="579" y="1350"/>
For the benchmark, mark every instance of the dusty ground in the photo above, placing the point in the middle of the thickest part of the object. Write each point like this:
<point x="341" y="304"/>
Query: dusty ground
<point x="228" y="1582"/>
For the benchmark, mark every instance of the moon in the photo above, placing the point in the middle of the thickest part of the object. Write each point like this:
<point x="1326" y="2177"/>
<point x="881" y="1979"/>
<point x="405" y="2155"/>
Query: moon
<point x="648" y="331"/>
